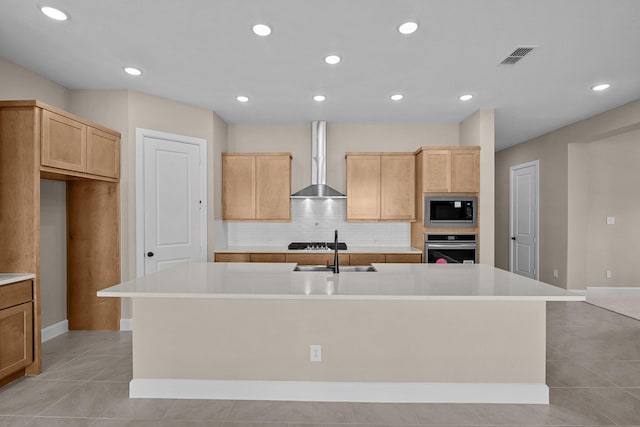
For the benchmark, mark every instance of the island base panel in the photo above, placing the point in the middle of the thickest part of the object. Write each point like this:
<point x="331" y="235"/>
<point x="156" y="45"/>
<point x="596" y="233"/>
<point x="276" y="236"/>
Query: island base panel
<point x="394" y="351"/>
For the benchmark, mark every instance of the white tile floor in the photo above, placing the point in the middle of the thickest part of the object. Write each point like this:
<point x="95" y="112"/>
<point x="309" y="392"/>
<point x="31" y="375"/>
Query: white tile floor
<point x="593" y="369"/>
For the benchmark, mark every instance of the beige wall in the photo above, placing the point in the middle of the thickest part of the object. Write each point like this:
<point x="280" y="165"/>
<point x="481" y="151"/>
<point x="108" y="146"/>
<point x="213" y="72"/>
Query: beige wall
<point x="552" y="152"/>
<point x="479" y="129"/>
<point x="608" y="188"/>
<point x="17" y="82"/>
<point x="341" y="139"/>
<point x="53" y="251"/>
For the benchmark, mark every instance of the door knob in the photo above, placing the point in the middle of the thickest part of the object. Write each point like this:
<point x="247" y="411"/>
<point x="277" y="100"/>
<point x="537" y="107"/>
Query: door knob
<point x="149" y="254"/>
<point x="513" y="238"/>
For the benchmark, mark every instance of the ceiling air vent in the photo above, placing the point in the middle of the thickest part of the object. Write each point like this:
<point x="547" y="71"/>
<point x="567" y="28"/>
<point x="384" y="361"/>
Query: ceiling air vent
<point x="515" y="56"/>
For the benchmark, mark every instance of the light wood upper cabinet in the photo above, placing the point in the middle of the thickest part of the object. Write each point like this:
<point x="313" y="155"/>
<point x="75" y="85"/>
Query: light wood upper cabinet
<point x="437" y="171"/>
<point x="363" y="187"/>
<point x="238" y="187"/>
<point x="451" y="170"/>
<point x="273" y="187"/>
<point x="64" y="142"/>
<point x="103" y="153"/>
<point x="69" y="145"/>
<point x="465" y="171"/>
<point x="256" y="187"/>
<point x="397" y="184"/>
<point x="380" y="186"/>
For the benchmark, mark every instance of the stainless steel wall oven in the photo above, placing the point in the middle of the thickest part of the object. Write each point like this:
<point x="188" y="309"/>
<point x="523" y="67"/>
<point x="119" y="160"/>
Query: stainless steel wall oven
<point x="451" y="248"/>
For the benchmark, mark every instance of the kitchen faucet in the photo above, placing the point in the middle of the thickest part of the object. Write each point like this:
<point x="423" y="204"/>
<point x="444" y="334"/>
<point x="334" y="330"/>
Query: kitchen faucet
<point x="336" y="267"/>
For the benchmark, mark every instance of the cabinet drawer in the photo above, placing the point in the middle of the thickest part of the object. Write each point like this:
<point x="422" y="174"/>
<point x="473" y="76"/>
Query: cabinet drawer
<point x="267" y="258"/>
<point x="317" y="259"/>
<point x="410" y="258"/>
<point x="239" y="257"/>
<point x="15" y="293"/>
<point x="366" y="259"/>
<point x="16" y="330"/>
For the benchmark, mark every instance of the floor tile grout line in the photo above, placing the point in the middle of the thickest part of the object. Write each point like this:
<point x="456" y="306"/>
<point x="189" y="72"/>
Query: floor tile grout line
<point x="62" y="397"/>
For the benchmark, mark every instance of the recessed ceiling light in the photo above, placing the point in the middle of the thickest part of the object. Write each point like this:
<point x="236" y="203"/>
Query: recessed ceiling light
<point x="397" y="97"/>
<point x="332" y="59"/>
<point x="601" y="86"/>
<point x="261" y="30"/>
<point x="242" y="98"/>
<point x="132" y="71"/>
<point x="408" y="28"/>
<point x="54" y="13"/>
<point x="465" y="97"/>
<point x="319" y="98"/>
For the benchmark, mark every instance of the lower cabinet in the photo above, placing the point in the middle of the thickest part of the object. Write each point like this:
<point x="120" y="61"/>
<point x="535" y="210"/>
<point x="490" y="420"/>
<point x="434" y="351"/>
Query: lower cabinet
<point x="16" y="329"/>
<point x="318" y="258"/>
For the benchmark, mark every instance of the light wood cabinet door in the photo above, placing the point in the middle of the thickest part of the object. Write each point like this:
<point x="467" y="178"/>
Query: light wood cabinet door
<point x="64" y="142"/>
<point x="103" y="153"/>
<point x="363" y="187"/>
<point x="397" y="185"/>
<point x="437" y="171"/>
<point x="16" y="338"/>
<point x="465" y="171"/>
<point x="273" y="187"/>
<point x="238" y="187"/>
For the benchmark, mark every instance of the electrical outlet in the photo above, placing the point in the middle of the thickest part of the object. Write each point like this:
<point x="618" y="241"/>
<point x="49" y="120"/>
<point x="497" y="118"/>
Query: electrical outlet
<point x="609" y="274"/>
<point x="611" y="220"/>
<point x="315" y="353"/>
<point x="555" y="273"/>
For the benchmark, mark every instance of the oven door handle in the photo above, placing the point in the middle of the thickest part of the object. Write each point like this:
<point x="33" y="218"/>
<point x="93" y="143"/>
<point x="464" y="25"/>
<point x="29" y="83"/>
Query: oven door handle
<point x="451" y="246"/>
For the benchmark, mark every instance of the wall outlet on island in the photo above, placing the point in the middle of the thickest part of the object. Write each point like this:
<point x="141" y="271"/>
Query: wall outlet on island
<point x="315" y="353"/>
<point x="555" y="273"/>
<point x="609" y="274"/>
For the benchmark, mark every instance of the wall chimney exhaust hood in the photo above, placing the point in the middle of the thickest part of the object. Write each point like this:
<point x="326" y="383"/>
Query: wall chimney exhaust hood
<point x="318" y="188"/>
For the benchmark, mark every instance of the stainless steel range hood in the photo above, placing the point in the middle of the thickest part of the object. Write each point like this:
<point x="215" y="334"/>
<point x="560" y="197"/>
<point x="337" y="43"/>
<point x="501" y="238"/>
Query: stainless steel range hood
<point x="318" y="188"/>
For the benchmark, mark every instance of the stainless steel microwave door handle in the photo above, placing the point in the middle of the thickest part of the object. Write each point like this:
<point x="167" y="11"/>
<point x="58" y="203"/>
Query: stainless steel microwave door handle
<point x="451" y="246"/>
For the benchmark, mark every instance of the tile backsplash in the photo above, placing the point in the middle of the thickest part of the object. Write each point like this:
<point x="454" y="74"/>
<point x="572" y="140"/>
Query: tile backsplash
<point x="313" y="220"/>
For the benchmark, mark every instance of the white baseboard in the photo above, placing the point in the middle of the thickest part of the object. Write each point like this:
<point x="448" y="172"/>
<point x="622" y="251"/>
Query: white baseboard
<point x="324" y="391"/>
<point x="54" y="330"/>
<point x="601" y="290"/>
<point x="126" y="324"/>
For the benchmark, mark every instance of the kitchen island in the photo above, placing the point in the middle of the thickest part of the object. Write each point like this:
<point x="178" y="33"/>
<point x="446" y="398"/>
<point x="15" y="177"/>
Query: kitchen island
<point x="406" y="333"/>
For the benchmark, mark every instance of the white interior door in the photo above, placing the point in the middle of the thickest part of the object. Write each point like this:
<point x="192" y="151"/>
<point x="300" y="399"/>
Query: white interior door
<point x="523" y="214"/>
<point x="174" y="209"/>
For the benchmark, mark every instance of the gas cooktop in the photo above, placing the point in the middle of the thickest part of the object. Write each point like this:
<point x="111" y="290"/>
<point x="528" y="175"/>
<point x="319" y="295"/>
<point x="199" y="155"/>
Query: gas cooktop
<point x="316" y="246"/>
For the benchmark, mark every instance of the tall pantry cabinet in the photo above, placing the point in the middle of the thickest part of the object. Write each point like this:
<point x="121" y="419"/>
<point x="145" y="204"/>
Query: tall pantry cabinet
<point x="39" y="141"/>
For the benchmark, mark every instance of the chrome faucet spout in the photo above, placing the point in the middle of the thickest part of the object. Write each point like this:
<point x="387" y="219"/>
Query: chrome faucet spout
<point x="336" y="266"/>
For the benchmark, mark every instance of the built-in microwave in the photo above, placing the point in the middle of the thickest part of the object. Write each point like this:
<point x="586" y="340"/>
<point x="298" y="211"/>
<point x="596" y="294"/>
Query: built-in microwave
<point x="444" y="211"/>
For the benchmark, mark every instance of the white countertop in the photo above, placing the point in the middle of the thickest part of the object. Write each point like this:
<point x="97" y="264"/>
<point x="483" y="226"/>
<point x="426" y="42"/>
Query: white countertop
<point x="350" y="250"/>
<point x="463" y="282"/>
<point x="7" y="278"/>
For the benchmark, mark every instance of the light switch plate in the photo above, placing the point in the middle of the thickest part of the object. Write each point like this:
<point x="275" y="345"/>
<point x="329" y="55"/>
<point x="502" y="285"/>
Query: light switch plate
<point x="611" y="220"/>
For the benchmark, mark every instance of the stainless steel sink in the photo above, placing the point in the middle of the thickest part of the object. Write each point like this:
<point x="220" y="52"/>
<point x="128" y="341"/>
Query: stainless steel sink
<point x="343" y="269"/>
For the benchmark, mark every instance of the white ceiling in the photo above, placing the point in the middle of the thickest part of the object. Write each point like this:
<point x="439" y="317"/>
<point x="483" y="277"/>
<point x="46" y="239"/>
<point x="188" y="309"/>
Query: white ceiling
<point x="203" y="52"/>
